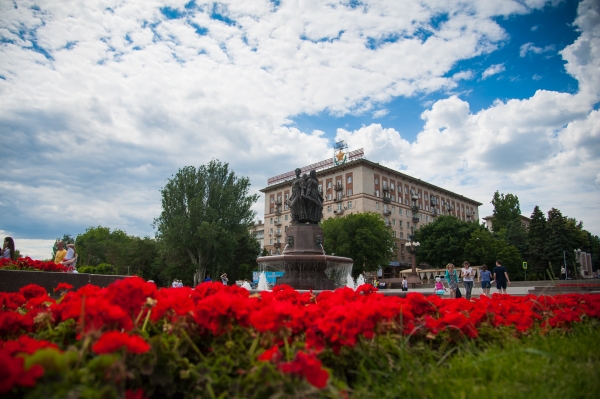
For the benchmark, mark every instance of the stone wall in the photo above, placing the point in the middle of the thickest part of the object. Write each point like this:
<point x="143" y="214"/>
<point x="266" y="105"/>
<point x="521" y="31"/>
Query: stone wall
<point x="13" y="280"/>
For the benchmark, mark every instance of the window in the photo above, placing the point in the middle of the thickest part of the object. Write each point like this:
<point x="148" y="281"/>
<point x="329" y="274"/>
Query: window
<point x="349" y="204"/>
<point x="279" y="198"/>
<point x="349" y="192"/>
<point x="287" y="196"/>
<point x="427" y="218"/>
<point x="385" y="207"/>
<point x="329" y="197"/>
<point x="377" y="205"/>
<point x="426" y="207"/>
<point x="339" y="183"/>
<point x="328" y="208"/>
<point x="394" y="233"/>
<point x="393" y="197"/>
<point x="328" y="184"/>
<point x="401" y="235"/>
<point x="278" y="231"/>
<point x="400" y="212"/>
<point x="271" y="231"/>
<point x="377" y="193"/>
<point x="339" y="196"/>
<point x="394" y="222"/>
<point x="400" y="223"/>
<point x="349" y="179"/>
<point x="420" y="206"/>
<point x="405" y="201"/>
<point x="286" y="207"/>
<point x="408" y="225"/>
<point x="419" y="195"/>
<point x="393" y="209"/>
<point x="278" y="240"/>
<point x="384" y="184"/>
<point x="271" y="241"/>
<point x="392" y="186"/>
<point x="339" y="206"/>
<point x="286" y="217"/>
<point x="377" y="180"/>
<point x="271" y="221"/>
<point x="285" y="229"/>
<point x="320" y="188"/>
<point x="272" y="200"/>
<point x="406" y="190"/>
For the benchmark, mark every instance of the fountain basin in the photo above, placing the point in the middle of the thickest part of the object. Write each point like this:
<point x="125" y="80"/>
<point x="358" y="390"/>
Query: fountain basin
<point x="309" y="271"/>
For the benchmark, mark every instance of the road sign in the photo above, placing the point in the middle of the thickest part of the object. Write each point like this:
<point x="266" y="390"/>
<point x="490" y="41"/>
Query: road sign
<point x="525" y="265"/>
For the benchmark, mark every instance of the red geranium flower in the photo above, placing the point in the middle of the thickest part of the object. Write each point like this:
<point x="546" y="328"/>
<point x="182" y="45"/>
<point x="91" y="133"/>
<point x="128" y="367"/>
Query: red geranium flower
<point x="13" y="373"/>
<point x="63" y="287"/>
<point x="308" y="366"/>
<point x="113" y="341"/>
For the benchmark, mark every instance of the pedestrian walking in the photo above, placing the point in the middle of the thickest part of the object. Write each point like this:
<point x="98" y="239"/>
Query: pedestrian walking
<point x="485" y="276"/>
<point x="501" y="277"/>
<point x="467" y="275"/>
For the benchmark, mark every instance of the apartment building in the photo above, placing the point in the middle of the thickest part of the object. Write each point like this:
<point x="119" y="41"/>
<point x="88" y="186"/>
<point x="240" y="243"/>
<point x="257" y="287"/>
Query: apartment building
<point x="358" y="186"/>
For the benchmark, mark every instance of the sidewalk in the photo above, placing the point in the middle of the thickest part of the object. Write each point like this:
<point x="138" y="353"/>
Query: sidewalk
<point x="475" y="293"/>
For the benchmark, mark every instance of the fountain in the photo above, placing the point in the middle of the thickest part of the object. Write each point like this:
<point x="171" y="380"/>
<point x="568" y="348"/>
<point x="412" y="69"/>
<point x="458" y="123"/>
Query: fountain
<point x="350" y="282"/>
<point x="303" y="259"/>
<point x="360" y="281"/>
<point x="263" y="285"/>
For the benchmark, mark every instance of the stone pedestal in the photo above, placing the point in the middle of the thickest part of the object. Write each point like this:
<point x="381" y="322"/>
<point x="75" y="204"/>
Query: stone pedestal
<point x="304" y="239"/>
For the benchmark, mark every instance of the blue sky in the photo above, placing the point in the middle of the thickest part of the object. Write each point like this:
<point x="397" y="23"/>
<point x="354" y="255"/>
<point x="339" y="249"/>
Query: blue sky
<point x="102" y="101"/>
<point x="549" y="29"/>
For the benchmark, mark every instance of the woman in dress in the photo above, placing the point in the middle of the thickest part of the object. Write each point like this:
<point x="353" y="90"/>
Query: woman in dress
<point x="8" y="249"/>
<point x="451" y="279"/>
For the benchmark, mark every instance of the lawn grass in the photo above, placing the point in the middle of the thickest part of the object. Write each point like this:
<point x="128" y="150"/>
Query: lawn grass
<point x="554" y="365"/>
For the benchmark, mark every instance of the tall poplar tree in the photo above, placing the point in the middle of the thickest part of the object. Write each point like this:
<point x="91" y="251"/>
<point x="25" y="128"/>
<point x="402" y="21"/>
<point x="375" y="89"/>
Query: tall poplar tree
<point x="506" y="210"/>
<point x="205" y="211"/>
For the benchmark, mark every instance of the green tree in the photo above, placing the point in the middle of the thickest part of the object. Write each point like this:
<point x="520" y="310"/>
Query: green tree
<point x="506" y="209"/>
<point x="563" y="237"/>
<point x="516" y="235"/>
<point x="443" y="241"/>
<point x="204" y="212"/>
<point x="363" y="237"/>
<point x="244" y="261"/>
<point x="483" y="248"/>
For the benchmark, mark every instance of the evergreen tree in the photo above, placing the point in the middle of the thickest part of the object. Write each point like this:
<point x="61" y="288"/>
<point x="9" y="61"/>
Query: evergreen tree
<point x="536" y="237"/>
<point x="559" y="242"/>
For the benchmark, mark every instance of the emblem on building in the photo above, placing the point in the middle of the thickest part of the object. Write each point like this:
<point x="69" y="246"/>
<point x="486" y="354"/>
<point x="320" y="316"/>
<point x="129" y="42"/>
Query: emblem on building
<point x="340" y="153"/>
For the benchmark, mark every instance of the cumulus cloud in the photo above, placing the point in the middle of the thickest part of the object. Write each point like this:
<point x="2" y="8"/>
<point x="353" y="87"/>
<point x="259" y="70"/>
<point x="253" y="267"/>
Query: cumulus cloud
<point x="380" y="113"/>
<point x="101" y="102"/>
<point x="493" y="70"/>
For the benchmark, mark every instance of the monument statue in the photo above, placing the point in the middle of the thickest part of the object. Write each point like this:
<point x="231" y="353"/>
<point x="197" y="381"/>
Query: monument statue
<point x="306" y="202"/>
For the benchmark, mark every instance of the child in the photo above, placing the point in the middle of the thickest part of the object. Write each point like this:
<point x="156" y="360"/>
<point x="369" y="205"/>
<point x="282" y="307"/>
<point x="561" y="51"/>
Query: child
<point x="439" y="287"/>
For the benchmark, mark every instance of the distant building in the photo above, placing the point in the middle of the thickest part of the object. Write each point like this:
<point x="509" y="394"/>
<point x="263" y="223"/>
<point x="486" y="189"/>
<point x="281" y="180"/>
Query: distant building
<point x="258" y="232"/>
<point x="525" y="221"/>
<point x="358" y="186"/>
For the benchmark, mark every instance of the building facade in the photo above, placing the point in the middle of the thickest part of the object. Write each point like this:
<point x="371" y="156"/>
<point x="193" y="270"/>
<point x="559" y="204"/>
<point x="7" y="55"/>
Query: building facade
<point x="358" y="186"/>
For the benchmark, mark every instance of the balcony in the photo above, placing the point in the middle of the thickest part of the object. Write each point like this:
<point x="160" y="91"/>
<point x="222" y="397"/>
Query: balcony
<point x="339" y="199"/>
<point x="278" y="223"/>
<point x="415" y="208"/>
<point x="387" y="213"/>
<point x="277" y="245"/>
<point x="387" y="200"/>
<point x="385" y="189"/>
<point x="416" y="219"/>
<point x="278" y="211"/>
<point x="339" y="187"/>
<point x="277" y="202"/>
<point x="338" y="211"/>
<point x="277" y="234"/>
<point x="388" y="224"/>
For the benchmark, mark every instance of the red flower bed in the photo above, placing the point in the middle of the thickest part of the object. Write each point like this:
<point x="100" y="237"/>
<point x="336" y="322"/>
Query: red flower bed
<point x="31" y="264"/>
<point x="288" y="329"/>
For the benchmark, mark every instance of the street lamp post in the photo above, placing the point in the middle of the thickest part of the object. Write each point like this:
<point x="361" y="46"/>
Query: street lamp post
<point x="413" y="247"/>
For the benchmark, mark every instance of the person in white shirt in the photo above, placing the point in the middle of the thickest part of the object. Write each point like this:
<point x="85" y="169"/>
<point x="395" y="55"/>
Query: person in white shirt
<point x="467" y="275"/>
<point x="70" y="259"/>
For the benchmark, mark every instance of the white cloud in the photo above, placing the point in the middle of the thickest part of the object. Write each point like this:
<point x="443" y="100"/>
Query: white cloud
<point x="530" y="48"/>
<point x="380" y="113"/>
<point x="493" y="70"/>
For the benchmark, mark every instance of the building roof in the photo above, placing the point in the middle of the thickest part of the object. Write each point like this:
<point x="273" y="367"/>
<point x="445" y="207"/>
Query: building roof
<point x="366" y="162"/>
